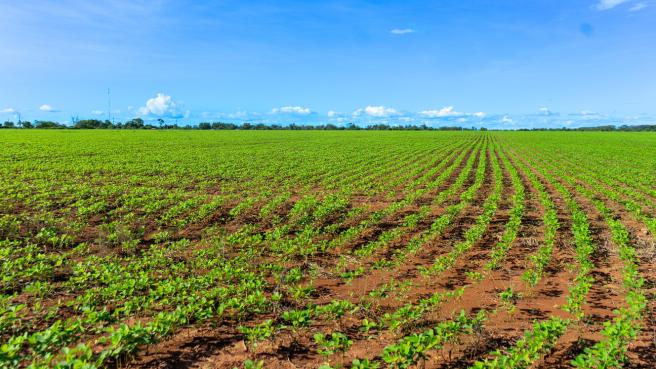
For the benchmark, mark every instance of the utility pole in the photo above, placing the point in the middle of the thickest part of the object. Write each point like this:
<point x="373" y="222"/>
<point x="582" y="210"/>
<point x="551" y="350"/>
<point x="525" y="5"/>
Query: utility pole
<point x="109" y="105"/>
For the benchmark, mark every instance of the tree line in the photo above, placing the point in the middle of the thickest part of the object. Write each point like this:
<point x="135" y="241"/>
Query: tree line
<point x="138" y="123"/>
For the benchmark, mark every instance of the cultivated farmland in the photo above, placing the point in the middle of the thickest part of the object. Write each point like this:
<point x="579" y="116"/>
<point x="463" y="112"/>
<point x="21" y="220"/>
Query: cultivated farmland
<point x="363" y="249"/>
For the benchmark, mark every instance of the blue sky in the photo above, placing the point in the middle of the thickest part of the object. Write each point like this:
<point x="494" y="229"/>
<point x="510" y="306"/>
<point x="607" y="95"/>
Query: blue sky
<point x="506" y="64"/>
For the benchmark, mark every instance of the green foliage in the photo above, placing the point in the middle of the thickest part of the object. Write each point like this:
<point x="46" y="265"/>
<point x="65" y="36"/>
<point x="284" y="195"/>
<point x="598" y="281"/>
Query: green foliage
<point x="331" y="343"/>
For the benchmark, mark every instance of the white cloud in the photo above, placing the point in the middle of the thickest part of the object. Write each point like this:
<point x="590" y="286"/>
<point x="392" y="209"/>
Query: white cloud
<point x="637" y="7"/>
<point x="479" y="114"/>
<point x="331" y="113"/>
<point x="292" y="110"/>
<point x="506" y="119"/>
<point x="161" y="105"/>
<point x="608" y="4"/>
<point x="48" y="108"/>
<point x="446" y="111"/>
<point x="97" y="112"/>
<point x="402" y="31"/>
<point x="7" y="111"/>
<point x="376" y="111"/>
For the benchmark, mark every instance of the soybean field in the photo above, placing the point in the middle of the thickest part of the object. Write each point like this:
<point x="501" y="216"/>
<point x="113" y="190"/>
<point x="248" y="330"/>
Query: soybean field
<point x="327" y="249"/>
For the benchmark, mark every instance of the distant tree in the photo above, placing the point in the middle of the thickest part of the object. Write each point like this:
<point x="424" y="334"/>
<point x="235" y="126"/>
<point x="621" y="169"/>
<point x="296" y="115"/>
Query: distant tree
<point x="204" y="125"/>
<point x="221" y="125"/>
<point x="160" y="121"/>
<point x="8" y="124"/>
<point x="136" y="123"/>
<point x="26" y="124"/>
<point x="47" y="124"/>
<point x="89" y="124"/>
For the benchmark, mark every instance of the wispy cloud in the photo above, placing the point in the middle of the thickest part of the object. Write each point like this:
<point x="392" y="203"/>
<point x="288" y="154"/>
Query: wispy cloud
<point x="637" y="7"/>
<point x="8" y="111"/>
<point x="609" y="4"/>
<point x="402" y="31"/>
<point x="446" y="111"/>
<point x="299" y="110"/>
<point x="378" y="111"/>
<point x="506" y="120"/>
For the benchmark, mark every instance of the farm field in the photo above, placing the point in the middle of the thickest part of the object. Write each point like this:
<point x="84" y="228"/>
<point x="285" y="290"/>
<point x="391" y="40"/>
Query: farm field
<point x="333" y="249"/>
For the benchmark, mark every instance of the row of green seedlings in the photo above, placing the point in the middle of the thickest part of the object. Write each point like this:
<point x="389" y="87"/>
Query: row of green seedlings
<point x="411" y="349"/>
<point x="242" y="296"/>
<point x="632" y="200"/>
<point x="443" y="221"/>
<point x="510" y="233"/>
<point x="611" y="351"/>
<point x="474" y="233"/>
<point x="125" y="289"/>
<point x="584" y="248"/>
<point x="402" y="316"/>
<point x="37" y="267"/>
<point x="294" y="275"/>
<point x="412" y="182"/>
<point x="542" y="338"/>
<point x="349" y="173"/>
<point x="328" y="344"/>
<point x="410" y="312"/>
<point x="115" y="286"/>
<point x="540" y="259"/>
<point x="440" y="224"/>
<point x="207" y="209"/>
<point x="173" y="290"/>
<point x="619" y="178"/>
<point x="45" y="269"/>
<point x="305" y="242"/>
<point x="411" y="221"/>
<point x="501" y="248"/>
<point x="624" y="328"/>
<point x="376" y="217"/>
<point x="296" y="317"/>
<point x="408" y="351"/>
<point x="414" y="348"/>
<point x="401" y="174"/>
